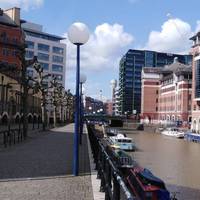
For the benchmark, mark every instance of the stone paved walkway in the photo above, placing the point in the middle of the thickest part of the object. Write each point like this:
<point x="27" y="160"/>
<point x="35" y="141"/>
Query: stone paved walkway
<point x="47" y="158"/>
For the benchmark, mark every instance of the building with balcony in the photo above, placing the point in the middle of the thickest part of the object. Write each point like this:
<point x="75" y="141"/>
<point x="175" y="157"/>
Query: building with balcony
<point x="195" y="51"/>
<point x="130" y="68"/>
<point x="49" y="49"/>
<point x="11" y="45"/>
<point x="166" y="94"/>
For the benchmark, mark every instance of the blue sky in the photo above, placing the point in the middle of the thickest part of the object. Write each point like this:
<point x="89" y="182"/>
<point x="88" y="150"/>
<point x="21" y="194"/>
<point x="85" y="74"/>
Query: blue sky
<point x="115" y="26"/>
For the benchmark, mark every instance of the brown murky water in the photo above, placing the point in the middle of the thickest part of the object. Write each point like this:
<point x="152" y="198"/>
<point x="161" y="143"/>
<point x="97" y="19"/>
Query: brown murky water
<point x="175" y="161"/>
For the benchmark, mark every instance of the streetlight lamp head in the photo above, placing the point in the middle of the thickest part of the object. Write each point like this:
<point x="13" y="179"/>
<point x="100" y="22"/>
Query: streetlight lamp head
<point x="83" y="78"/>
<point x="78" y="33"/>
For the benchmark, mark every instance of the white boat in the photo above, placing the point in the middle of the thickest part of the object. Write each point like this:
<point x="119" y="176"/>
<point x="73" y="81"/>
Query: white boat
<point x="123" y="142"/>
<point x="175" y="132"/>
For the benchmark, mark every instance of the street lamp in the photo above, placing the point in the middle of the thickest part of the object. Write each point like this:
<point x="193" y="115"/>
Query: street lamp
<point x="78" y="34"/>
<point x="83" y="79"/>
<point x="90" y="109"/>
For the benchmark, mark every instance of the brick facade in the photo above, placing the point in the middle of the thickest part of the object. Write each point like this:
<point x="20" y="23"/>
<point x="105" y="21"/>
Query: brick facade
<point x="166" y="94"/>
<point x="195" y="51"/>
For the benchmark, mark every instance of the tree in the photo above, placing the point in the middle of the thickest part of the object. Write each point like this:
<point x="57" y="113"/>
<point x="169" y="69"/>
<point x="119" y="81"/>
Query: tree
<point x="39" y="87"/>
<point x="25" y="86"/>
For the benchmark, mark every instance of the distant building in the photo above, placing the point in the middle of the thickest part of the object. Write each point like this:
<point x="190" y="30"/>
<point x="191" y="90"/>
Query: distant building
<point x="195" y="50"/>
<point x="116" y="102"/>
<point x="93" y="105"/>
<point x="48" y="48"/>
<point x="108" y="105"/>
<point x="166" y="93"/>
<point x="130" y="69"/>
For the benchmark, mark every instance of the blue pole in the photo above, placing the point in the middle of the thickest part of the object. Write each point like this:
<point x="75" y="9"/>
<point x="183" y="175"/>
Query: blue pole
<point x="81" y="115"/>
<point x="77" y="115"/>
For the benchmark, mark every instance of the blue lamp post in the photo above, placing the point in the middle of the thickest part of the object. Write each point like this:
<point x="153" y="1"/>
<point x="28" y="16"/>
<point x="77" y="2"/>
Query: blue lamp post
<point x="83" y="79"/>
<point x="78" y="34"/>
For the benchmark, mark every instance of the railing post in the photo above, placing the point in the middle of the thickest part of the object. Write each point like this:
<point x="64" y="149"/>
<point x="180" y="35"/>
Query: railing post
<point x="102" y="186"/>
<point x="116" y="189"/>
<point x="108" y="180"/>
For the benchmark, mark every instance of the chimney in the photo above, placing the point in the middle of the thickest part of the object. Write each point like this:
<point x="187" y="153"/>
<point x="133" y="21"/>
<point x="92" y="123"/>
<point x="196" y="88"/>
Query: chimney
<point x="175" y="59"/>
<point x="1" y="12"/>
<point x="14" y="14"/>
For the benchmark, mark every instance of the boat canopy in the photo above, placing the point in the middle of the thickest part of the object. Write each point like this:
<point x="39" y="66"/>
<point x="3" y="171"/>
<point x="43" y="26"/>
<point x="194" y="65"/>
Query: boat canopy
<point x="150" y="178"/>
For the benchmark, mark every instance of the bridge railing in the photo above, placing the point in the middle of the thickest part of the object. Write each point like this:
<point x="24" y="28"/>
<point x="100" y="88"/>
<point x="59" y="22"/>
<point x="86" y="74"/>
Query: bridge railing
<point x="112" y="183"/>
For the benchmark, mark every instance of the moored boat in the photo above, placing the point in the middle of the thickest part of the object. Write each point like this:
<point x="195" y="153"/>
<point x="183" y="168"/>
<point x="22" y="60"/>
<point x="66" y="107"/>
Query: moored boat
<point x="125" y="143"/>
<point x="146" y="186"/>
<point x="174" y="132"/>
<point x="119" y="157"/>
<point x="190" y="136"/>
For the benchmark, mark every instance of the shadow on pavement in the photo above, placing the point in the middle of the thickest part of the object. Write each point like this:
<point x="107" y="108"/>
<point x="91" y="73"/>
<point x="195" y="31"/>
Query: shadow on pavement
<point x="49" y="154"/>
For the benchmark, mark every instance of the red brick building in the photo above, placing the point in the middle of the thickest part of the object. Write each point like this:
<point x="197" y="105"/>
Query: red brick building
<point x="166" y="94"/>
<point x="149" y="97"/>
<point x="108" y="107"/>
<point x="11" y="40"/>
<point x="195" y="51"/>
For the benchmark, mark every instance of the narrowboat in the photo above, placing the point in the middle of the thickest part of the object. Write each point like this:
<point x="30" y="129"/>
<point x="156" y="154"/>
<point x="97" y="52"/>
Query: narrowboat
<point x="119" y="157"/>
<point x="146" y="186"/>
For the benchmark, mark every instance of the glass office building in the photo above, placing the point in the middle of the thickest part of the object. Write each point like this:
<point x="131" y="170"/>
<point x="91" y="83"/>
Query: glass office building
<point x="49" y="49"/>
<point x="130" y="68"/>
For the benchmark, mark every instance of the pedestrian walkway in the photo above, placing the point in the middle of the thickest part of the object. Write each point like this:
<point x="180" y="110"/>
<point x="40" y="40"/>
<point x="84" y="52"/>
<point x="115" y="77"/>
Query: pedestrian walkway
<point x="40" y="168"/>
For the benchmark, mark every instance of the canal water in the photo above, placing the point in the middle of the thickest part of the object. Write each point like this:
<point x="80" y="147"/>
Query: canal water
<point x="175" y="161"/>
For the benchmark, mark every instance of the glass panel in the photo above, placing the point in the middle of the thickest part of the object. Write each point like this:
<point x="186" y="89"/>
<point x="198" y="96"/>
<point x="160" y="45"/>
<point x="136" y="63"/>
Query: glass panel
<point x="45" y="66"/>
<point x="42" y="56"/>
<point x="29" y="54"/>
<point x="58" y="50"/>
<point x="58" y="59"/>
<point x="197" y="79"/>
<point x="57" y="68"/>
<point x="43" y="47"/>
<point x="30" y="44"/>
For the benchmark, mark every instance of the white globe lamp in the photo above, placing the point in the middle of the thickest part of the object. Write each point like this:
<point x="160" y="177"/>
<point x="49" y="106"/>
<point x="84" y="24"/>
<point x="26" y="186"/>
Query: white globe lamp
<point x="78" y="33"/>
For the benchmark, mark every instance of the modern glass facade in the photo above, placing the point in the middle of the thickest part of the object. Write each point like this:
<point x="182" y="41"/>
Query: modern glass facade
<point x="30" y="44"/>
<point x="43" y="47"/>
<point x="42" y="56"/>
<point x="197" y="79"/>
<point x="130" y="69"/>
<point x="57" y="68"/>
<point x="57" y="59"/>
<point x="45" y="66"/>
<point x="48" y="48"/>
<point x="58" y="50"/>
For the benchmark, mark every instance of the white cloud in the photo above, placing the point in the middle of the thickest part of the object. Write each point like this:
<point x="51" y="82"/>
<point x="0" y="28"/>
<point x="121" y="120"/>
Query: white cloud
<point x="197" y="26"/>
<point x="103" y="50"/>
<point x="24" y="4"/>
<point x="173" y="37"/>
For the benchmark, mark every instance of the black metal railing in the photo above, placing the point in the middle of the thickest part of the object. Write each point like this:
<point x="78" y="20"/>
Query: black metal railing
<point x="10" y="137"/>
<point x="112" y="182"/>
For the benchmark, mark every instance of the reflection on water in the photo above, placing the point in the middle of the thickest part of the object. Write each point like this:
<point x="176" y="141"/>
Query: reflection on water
<point x="176" y="161"/>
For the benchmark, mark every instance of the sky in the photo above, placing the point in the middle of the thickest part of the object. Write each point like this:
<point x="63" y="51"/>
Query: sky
<point x="115" y="27"/>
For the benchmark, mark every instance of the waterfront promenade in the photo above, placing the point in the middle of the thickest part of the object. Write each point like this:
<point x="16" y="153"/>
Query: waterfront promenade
<point x="41" y="168"/>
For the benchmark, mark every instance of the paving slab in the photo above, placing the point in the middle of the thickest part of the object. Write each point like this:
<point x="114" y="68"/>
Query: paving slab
<point x="41" y="168"/>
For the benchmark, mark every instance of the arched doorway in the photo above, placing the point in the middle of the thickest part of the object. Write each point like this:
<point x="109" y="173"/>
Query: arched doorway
<point x="17" y="119"/>
<point x="30" y="118"/>
<point x="4" y="119"/>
